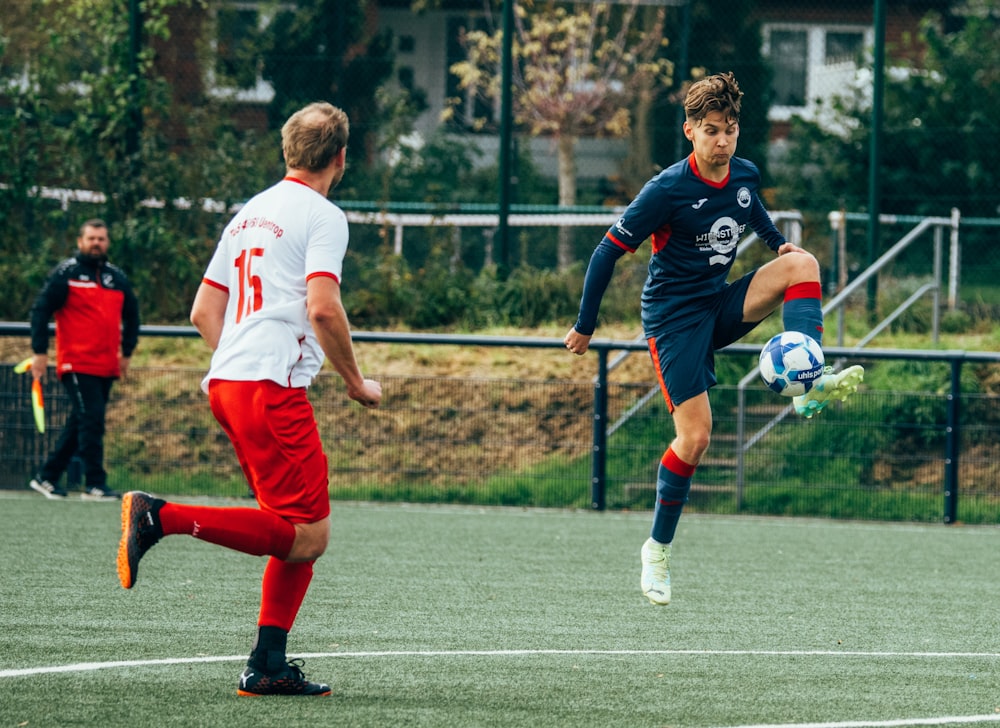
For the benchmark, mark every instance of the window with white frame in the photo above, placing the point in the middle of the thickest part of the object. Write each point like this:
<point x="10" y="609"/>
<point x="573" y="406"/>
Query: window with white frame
<point x="811" y="63"/>
<point x="237" y="70"/>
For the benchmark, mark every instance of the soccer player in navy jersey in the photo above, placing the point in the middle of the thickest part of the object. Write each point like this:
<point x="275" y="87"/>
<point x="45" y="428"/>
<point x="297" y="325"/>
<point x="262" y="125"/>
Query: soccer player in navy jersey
<point x="695" y="212"/>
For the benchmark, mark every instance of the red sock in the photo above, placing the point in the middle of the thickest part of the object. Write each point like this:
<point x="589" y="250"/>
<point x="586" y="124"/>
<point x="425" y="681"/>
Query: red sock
<point x="802" y="309"/>
<point x="282" y="591"/>
<point x="242" y="529"/>
<point x="675" y="465"/>
<point x="805" y="289"/>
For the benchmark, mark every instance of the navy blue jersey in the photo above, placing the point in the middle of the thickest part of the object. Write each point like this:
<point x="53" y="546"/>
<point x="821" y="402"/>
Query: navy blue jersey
<point x="694" y="225"/>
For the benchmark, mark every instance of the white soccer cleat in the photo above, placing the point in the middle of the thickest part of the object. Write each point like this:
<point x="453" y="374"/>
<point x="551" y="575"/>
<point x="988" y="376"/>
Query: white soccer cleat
<point x="827" y="388"/>
<point x="655" y="580"/>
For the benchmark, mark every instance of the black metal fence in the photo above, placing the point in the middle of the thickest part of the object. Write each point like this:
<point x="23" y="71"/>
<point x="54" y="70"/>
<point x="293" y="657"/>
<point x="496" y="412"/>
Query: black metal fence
<point x="931" y="455"/>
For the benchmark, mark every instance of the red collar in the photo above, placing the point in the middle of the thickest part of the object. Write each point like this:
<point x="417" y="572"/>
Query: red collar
<point x="694" y="167"/>
<point x="295" y="179"/>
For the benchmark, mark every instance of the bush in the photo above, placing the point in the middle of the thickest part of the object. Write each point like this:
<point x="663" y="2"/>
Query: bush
<point x="530" y="297"/>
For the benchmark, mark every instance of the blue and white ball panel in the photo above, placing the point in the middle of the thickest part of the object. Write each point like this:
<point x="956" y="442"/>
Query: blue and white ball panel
<point x="790" y="362"/>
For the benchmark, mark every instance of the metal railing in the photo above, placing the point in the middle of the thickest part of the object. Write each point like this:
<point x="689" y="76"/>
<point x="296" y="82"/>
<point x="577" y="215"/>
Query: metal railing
<point x="603" y="348"/>
<point x="838" y="222"/>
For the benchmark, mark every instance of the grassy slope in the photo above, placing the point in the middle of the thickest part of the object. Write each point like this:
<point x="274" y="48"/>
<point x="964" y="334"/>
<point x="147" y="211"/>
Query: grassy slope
<point x="508" y="362"/>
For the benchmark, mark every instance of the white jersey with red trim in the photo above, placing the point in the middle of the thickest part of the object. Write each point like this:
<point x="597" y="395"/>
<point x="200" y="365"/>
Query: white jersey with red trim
<point x="280" y="239"/>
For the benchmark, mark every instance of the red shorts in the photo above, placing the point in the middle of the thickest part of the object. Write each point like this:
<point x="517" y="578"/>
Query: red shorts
<point x="273" y="430"/>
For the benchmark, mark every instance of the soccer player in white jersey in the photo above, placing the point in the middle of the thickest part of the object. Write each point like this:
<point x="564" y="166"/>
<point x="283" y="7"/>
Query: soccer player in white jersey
<point x="269" y="306"/>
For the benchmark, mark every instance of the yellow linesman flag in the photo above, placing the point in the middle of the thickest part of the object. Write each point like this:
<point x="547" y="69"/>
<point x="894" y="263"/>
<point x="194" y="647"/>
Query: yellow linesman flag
<point x="38" y="404"/>
<point x="37" y="400"/>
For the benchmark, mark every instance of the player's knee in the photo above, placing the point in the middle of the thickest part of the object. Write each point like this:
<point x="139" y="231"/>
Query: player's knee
<point x="305" y="551"/>
<point x="311" y="540"/>
<point x="313" y="552"/>
<point x="803" y="267"/>
<point x="692" y="445"/>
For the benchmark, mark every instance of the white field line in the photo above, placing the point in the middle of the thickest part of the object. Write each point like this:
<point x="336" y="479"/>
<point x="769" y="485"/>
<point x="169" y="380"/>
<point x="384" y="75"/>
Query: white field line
<point x="942" y="720"/>
<point x="92" y="666"/>
<point x="928" y="721"/>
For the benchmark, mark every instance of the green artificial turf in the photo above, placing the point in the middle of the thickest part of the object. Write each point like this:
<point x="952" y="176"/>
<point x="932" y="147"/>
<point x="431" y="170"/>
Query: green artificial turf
<point x="465" y="616"/>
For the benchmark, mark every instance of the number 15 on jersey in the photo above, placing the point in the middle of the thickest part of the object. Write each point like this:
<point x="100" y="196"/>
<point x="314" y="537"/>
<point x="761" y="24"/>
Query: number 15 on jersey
<point x="251" y="295"/>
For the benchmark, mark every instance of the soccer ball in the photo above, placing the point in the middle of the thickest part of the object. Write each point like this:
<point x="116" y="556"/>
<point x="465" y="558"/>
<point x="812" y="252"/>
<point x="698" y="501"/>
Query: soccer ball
<point x="790" y="362"/>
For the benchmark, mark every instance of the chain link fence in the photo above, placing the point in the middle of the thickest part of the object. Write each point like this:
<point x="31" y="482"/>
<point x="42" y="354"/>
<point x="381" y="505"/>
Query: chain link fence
<point x="886" y="454"/>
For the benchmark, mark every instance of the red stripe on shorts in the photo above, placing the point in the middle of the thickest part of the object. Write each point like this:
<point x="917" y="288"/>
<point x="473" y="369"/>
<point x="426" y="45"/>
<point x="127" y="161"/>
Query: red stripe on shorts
<point x="659" y="373"/>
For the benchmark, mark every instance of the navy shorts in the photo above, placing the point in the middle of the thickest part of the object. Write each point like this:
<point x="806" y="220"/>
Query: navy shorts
<point x="682" y="346"/>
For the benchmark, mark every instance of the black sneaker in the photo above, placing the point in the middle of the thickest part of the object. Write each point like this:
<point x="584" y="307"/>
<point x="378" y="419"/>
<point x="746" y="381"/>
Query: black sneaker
<point x="52" y="492"/>
<point x="289" y="681"/>
<point x="141" y="530"/>
<point x="100" y="493"/>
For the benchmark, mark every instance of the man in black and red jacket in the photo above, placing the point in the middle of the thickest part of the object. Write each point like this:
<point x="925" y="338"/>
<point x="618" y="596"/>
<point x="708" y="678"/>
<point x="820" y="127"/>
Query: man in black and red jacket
<point x="97" y="328"/>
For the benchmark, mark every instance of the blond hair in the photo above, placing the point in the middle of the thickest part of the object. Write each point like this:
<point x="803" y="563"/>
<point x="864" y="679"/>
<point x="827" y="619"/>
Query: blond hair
<point x="313" y="136"/>
<point x="714" y="93"/>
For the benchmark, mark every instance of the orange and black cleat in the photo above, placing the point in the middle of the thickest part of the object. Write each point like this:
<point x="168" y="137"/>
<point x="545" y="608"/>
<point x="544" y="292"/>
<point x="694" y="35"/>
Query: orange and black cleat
<point x="290" y="681"/>
<point x="141" y="530"/>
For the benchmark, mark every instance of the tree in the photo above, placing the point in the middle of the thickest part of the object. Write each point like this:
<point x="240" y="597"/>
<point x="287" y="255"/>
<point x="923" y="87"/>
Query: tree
<point x="577" y="70"/>
<point x="83" y="79"/>
<point x="73" y="87"/>
<point x="324" y="50"/>
<point x="936" y="118"/>
<point x="737" y="50"/>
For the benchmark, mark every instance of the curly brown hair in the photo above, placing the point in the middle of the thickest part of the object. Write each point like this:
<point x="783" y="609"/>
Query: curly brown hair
<point x="713" y="93"/>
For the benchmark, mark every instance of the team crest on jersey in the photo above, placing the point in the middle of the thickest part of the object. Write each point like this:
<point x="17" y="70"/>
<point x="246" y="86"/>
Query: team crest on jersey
<point x="108" y="280"/>
<point x="743" y="197"/>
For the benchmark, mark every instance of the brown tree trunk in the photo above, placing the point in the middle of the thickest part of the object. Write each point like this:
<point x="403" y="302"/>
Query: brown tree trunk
<point x="567" y="196"/>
